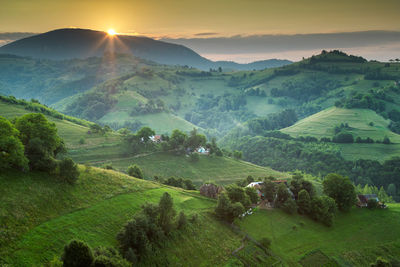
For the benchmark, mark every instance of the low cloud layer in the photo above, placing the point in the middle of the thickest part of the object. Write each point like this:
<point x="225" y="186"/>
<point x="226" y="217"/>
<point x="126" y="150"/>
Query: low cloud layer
<point x="379" y="45"/>
<point x="8" y="37"/>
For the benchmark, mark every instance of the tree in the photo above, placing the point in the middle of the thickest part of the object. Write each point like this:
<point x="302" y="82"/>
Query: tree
<point x="323" y="209"/>
<point x="269" y="190"/>
<point x="68" y="170"/>
<point x="135" y="171"/>
<point x="167" y="212"/>
<point x="177" y="140"/>
<point x="11" y="148"/>
<point x="386" y="140"/>
<point x="282" y="194"/>
<point x="391" y="189"/>
<point x="237" y="194"/>
<point x="252" y="194"/>
<point x="237" y="154"/>
<point x="236" y="210"/>
<point x="109" y="257"/>
<point x="182" y="221"/>
<point x="304" y="202"/>
<point x="77" y="254"/>
<point x="341" y="190"/>
<point x="223" y="209"/>
<point x="289" y="206"/>
<point x="41" y="141"/>
<point x="144" y="134"/>
<point x="189" y="184"/>
<point x="195" y="140"/>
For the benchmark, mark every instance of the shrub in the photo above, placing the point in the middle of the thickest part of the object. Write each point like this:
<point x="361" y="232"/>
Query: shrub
<point x="304" y="202"/>
<point x="68" y="170"/>
<point x="343" y="138"/>
<point x="289" y="206"/>
<point x="77" y="254"/>
<point x="182" y="221"/>
<point x="381" y="262"/>
<point x="237" y="209"/>
<point x="82" y="141"/>
<point x="109" y="257"/>
<point x="237" y="154"/>
<point x="341" y="190"/>
<point x="194" y="157"/>
<point x="265" y="242"/>
<point x="252" y="193"/>
<point x="135" y="171"/>
<point x="108" y="166"/>
<point x="372" y="203"/>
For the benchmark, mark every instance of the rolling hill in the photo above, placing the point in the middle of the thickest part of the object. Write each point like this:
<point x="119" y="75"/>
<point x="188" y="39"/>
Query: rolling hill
<point x="84" y="43"/>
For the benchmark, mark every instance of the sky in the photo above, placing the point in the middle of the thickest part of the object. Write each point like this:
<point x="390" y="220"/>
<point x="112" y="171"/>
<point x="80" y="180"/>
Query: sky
<point x="186" y="21"/>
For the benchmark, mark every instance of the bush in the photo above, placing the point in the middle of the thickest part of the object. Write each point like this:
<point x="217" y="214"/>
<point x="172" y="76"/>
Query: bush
<point x="77" y="254"/>
<point x="108" y="166"/>
<point x="109" y="257"/>
<point x="135" y="171"/>
<point x="381" y="262"/>
<point x="265" y="242"/>
<point x="372" y="203"/>
<point x="82" y="141"/>
<point x="343" y="138"/>
<point x="252" y="193"/>
<point x="237" y="154"/>
<point x="182" y="221"/>
<point x="237" y="209"/>
<point x="289" y="206"/>
<point x="68" y="170"/>
<point x="304" y="202"/>
<point x="194" y="157"/>
<point x="323" y="209"/>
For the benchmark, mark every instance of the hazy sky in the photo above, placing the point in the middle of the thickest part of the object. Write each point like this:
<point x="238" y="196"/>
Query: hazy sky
<point x="205" y="18"/>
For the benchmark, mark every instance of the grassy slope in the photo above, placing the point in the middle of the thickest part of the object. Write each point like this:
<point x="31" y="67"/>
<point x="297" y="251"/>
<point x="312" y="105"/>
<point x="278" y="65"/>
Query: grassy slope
<point x="356" y="238"/>
<point x="221" y="170"/>
<point x="322" y="124"/>
<point x="48" y="214"/>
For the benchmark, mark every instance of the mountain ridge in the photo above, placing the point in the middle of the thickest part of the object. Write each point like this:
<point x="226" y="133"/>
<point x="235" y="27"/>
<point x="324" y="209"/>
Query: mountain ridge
<point x="70" y="43"/>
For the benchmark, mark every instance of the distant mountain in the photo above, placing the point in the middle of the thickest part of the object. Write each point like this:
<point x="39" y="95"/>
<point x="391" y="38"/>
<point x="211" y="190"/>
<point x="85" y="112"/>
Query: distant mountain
<point x="82" y="43"/>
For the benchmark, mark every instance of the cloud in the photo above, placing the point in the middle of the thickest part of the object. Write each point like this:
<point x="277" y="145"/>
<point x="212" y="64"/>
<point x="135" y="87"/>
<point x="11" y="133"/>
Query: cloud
<point x="380" y="45"/>
<point x="8" y="37"/>
<point x="206" y="34"/>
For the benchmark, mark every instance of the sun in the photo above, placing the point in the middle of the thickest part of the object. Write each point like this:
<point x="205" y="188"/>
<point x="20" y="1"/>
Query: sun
<point x="111" y="32"/>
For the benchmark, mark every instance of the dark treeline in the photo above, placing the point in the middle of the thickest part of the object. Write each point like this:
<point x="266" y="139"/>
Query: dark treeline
<point x="316" y="159"/>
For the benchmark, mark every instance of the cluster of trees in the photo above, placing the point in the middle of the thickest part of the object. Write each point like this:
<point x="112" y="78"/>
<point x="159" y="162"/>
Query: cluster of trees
<point x="148" y="228"/>
<point x="339" y="194"/>
<point x="306" y="89"/>
<point x="360" y="100"/>
<point x="79" y="254"/>
<point x="31" y="142"/>
<point x="315" y="158"/>
<point x="177" y="182"/>
<point x="219" y="112"/>
<point x="233" y="202"/>
<point x="273" y="121"/>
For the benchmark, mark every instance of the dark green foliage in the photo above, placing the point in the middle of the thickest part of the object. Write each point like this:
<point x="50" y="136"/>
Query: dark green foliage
<point x="289" y="206"/>
<point x="195" y="140"/>
<point x="109" y="257"/>
<point x="341" y="190"/>
<point x="223" y="209"/>
<point x="194" y="157"/>
<point x="282" y="194"/>
<point x="343" y="138"/>
<point x="68" y="170"/>
<point x="41" y="141"/>
<point x="238" y="194"/>
<point x="304" y="202"/>
<point x="386" y="140"/>
<point x="135" y="171"/>
<point x="323" y="209"/>
<point x="372" y="204"/>
<point x="77" y="254"/>
<point x="182" y="220"/>
<point x="167" y="213"/>
<point x="179" y="182"/>
<point x="237" y="154"/>
<point x="269" y="189"/>
<point x="273" y="121"/>
<point x="265" y="242"/>
<point x="189" y="184"/>
<point x="177" y="140"/>
<point x="237" y="209"/>
<point x="252" y="193"/>
<point x="144" y="134"/>
<point x="381" y="262"/>
<point x="11" y="148"/>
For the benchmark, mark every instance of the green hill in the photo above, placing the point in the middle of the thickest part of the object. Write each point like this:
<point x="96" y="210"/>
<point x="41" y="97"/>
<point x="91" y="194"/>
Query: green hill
<point x="362" y="122"/>
<point x="356" y="239"/>
<point x="42" y="215"/>
<point x="221" y="170"/>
